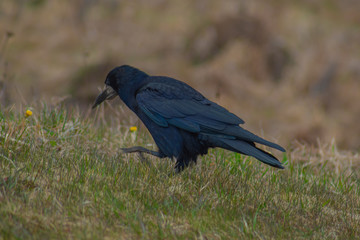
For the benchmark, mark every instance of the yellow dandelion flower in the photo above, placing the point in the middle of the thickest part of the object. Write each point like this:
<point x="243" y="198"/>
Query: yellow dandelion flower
<point x="28" y="113"/>
<point x="133" y="129"/>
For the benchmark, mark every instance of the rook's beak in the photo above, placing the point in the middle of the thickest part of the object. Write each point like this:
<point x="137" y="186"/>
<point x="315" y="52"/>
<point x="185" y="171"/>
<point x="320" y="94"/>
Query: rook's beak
<point x="108" y="94"/>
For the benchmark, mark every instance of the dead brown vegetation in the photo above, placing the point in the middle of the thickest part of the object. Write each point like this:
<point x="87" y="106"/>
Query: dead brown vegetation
<point x="290" y="68"/>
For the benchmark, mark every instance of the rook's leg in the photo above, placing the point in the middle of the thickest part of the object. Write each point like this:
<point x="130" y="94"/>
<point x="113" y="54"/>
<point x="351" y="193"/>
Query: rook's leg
<point x="180" y="165"/>
<point x="183" y="162"/>
<point x="139" y="149"/>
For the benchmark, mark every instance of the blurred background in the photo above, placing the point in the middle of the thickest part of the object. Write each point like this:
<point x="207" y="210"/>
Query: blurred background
<point x="290" y="69"/>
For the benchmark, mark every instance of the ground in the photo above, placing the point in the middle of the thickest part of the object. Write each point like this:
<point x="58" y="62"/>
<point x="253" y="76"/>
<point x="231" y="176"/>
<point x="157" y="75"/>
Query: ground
<point x="63" y="176"/>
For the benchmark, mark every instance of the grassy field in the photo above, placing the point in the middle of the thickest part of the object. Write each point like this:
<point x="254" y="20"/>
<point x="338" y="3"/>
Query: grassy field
<point x="62" y="176"/>
<point x="294" y="63"/>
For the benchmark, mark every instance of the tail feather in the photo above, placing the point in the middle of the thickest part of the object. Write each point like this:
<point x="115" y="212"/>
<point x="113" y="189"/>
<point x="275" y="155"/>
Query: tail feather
<point x="245" y="135"/>
<point x="249" y="148"/>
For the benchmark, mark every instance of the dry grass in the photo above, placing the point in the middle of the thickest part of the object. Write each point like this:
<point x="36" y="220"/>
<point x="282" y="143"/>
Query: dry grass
<point x="61" y="176"/>
<point x="293" y="63"/>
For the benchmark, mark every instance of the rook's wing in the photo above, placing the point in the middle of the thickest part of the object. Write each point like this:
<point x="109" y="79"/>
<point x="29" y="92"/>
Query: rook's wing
<point x="178" y="104"/>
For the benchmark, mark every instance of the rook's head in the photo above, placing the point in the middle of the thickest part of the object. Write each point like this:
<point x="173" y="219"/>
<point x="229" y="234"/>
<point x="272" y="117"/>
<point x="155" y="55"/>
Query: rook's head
<point x="117" y="80"/>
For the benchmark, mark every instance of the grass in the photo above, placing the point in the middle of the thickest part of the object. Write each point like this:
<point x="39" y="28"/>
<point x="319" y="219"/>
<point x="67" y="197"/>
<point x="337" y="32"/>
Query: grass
<point x="62" y="176"/>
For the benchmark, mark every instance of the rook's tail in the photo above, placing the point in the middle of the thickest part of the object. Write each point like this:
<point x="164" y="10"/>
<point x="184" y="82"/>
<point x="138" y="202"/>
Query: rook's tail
<point x="249" y="148"/>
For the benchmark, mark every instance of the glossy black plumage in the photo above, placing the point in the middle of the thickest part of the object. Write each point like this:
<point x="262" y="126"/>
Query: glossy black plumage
<point x="182" y="122"/>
